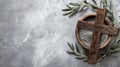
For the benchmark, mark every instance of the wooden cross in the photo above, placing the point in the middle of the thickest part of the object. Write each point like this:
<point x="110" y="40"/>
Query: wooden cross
<point x="98" y="28"/>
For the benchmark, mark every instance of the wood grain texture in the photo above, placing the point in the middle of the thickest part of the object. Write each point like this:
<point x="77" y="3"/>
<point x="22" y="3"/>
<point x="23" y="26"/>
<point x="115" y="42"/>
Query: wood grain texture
<point x="94" y="47"/>
<point x="77" y="32"/>
<point x="105" y="29"/>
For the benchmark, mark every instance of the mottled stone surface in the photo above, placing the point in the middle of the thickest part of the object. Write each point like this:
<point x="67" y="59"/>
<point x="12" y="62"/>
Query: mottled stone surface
<point x="33" y="33"/>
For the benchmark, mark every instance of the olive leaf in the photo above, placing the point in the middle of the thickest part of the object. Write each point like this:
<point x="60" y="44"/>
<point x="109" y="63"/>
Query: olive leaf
<point x="73" y="8"/>
<point x="73" y="12"/>
<point x="111" y="5"/>
<point x="66" y="9"/>
<point x="83" y="7"/>
<point x="74" y="4"/>
<point x="69" y="7"/>
<point x="71" y="47"/>
<point x="104" y="2"/>
<point x="115" y="48"/>
<point x="94" y="2"/>
<point x="75" y="51"/>
<point x="85" y="1"/>
<point x="70" y="52"/>
<point x="67" y="13"/>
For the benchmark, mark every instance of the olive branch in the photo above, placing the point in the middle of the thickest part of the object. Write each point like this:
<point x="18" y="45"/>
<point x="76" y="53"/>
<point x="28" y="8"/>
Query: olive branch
<point x="75" y="8"/>
<point x="74" y="50"/>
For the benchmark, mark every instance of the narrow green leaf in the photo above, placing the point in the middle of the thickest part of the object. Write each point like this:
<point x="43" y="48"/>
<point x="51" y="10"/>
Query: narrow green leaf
<point x="74" y="4"/>
<point x="113" y="47"/>
<point x="77" y="53"/>
<point x="94" y="2"/>
<point x="118" y="38"/>
<point x="94" y="7"/>
<point x="66" y="9"/>
<point x="73" y="13"/>
<point x="70" y="52"/>
<point x="69" y="7"/>
<point x="77" y="49"/>
<point x="114" y="51"/>
<point x="85" y="8"/>
<point x="105" y="2"/>
<point x="85" y="1"/>
<point x="110" y="18"/>
<point x="111" y="4"/>
<point x="82" y="7"/>
<point x="67" y="13"/>
<point x="71" y="47"/>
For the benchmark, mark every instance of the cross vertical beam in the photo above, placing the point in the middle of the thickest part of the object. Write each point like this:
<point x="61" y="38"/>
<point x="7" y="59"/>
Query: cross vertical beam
<point x="95" y="44"/>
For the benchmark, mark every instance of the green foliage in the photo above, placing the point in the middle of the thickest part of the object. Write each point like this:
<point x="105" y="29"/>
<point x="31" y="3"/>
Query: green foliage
<point x="94" y="2"/>
<point x="74" y="8"/>
<point x="113" y="49"/>
<point x="74" y="50"/>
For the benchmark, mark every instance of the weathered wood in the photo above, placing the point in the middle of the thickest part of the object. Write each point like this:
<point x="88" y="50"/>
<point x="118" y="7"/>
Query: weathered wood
<point x="98" y="29"/>
<point x="105" y="29"/>
<point x="81" y="42"/>
<point x="94" y="47"/>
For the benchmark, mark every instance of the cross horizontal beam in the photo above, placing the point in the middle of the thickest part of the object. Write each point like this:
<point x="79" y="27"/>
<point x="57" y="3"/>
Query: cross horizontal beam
<point x="84" y="25"/>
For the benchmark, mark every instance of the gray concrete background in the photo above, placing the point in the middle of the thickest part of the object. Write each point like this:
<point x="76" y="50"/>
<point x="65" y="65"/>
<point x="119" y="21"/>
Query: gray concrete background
<point x="33" y="33"/>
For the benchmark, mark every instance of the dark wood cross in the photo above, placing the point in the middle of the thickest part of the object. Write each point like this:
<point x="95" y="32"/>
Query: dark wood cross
<point x="98" y="28"/>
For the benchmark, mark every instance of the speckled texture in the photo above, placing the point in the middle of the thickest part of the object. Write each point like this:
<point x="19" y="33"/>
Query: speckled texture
<point x="33" y="33"/>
